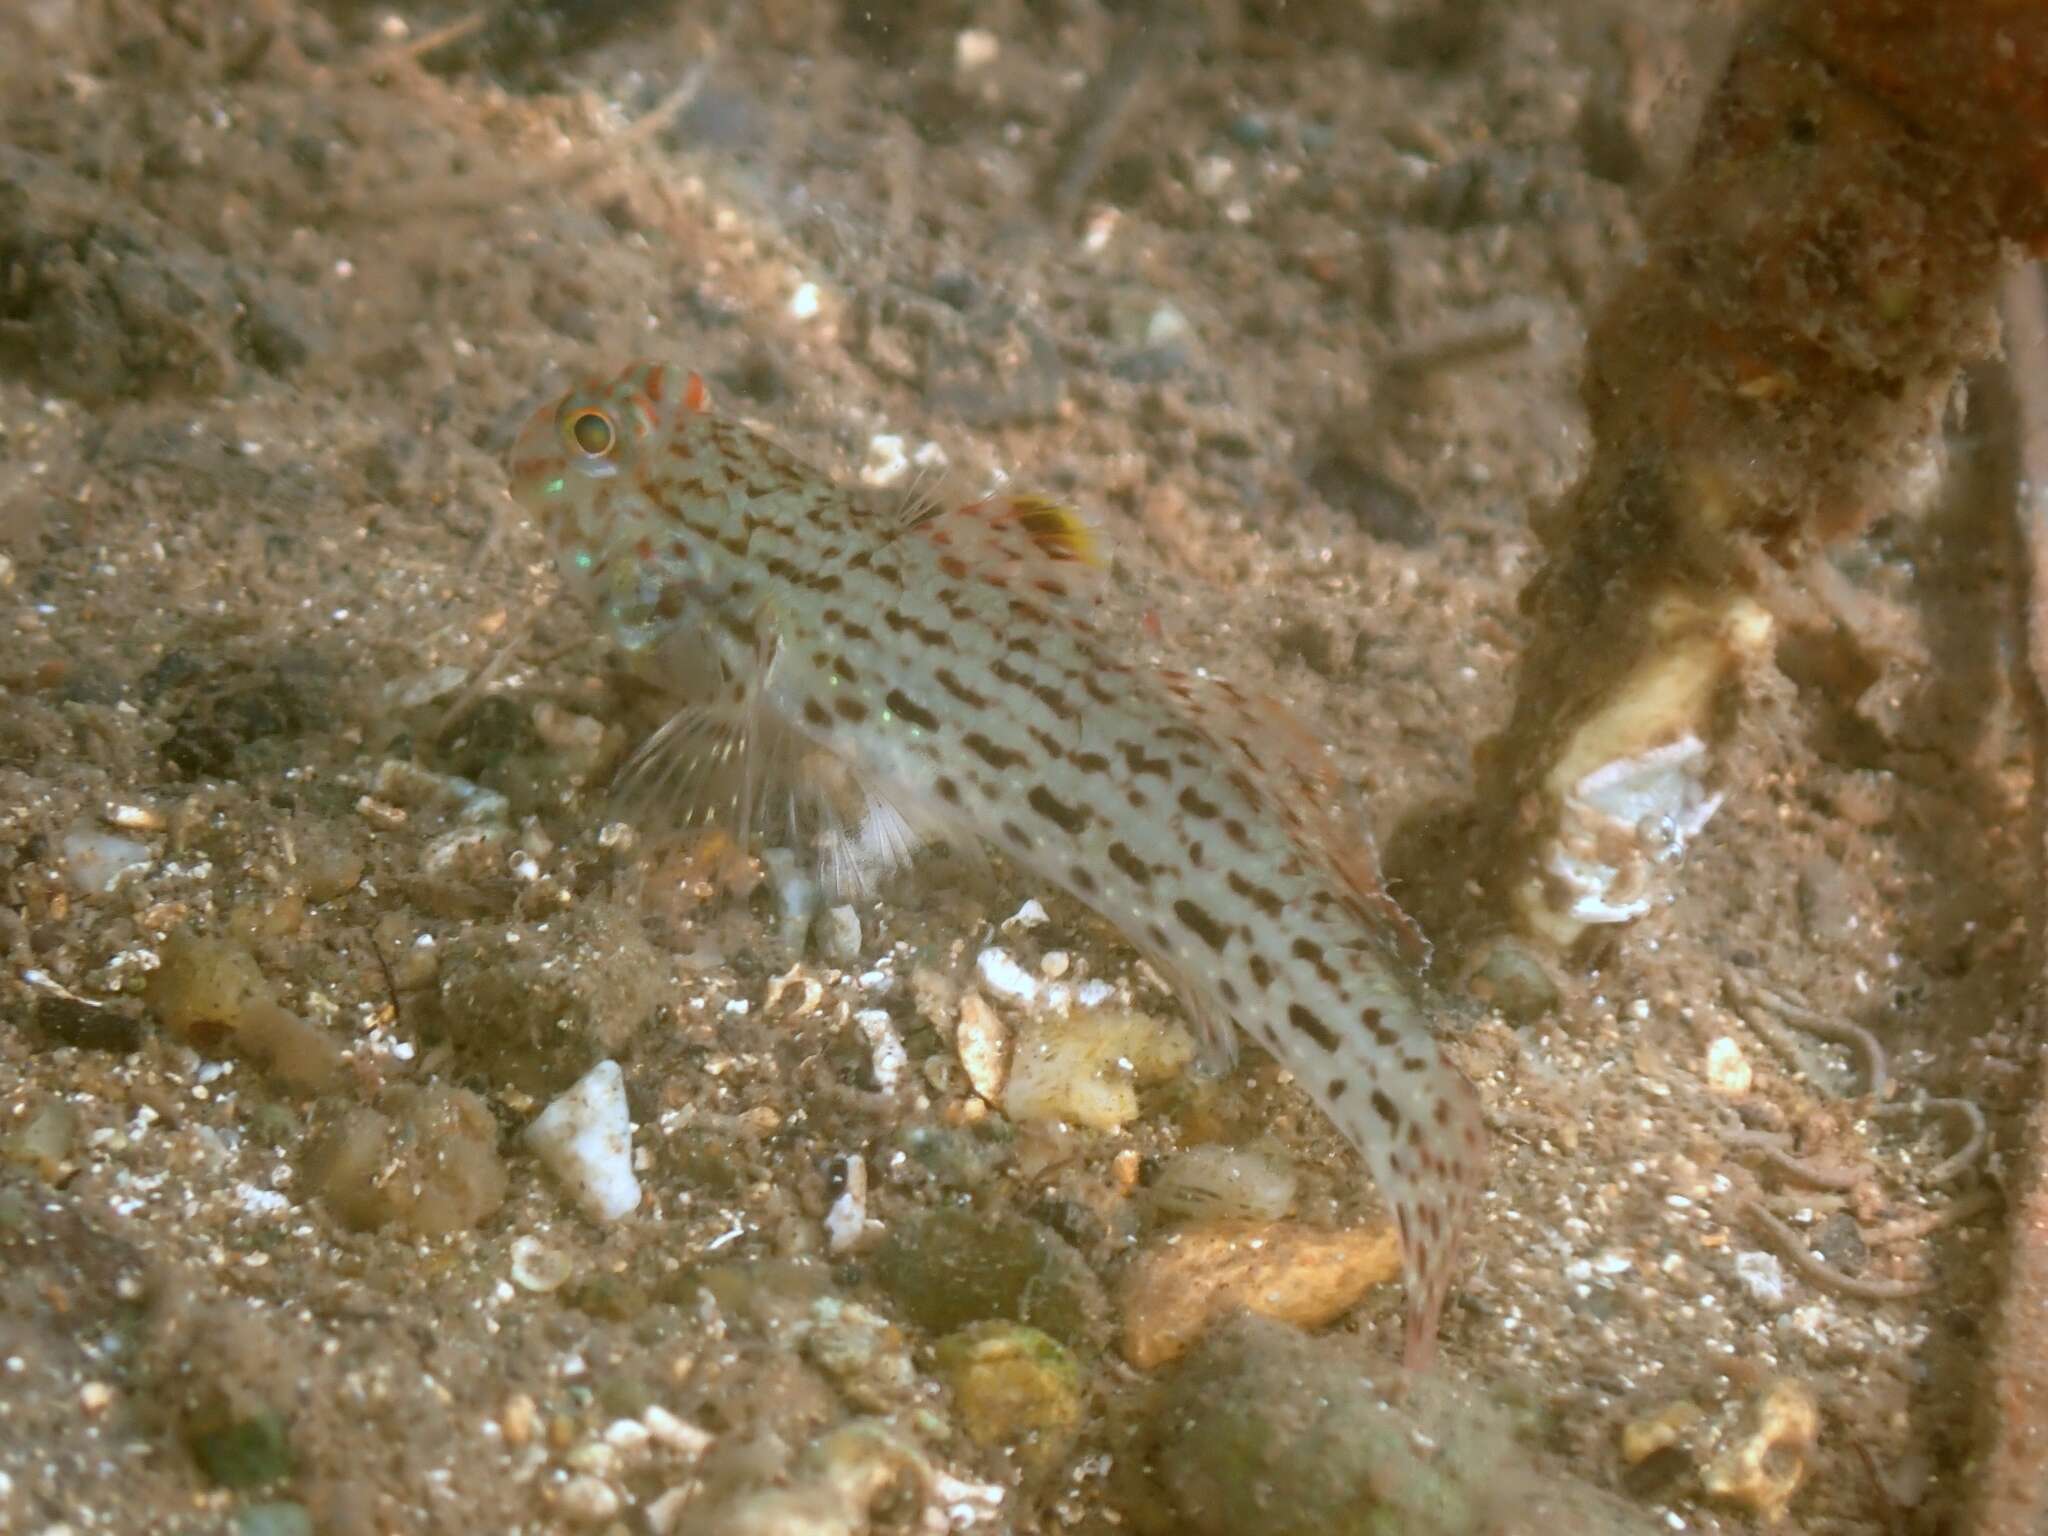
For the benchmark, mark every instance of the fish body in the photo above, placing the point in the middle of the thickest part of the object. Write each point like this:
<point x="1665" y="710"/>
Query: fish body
<point x="952" y="665"/>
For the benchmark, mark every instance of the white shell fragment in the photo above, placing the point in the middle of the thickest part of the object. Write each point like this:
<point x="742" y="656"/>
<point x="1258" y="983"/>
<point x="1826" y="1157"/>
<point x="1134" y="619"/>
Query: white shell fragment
<point x="585" y="1138"/>
<point x="847" y="1219"/>
<point x="1002" y="975"/>
<point x="885" y="1047"/>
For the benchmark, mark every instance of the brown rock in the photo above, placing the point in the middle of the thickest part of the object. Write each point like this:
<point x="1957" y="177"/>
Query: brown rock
<point x="1190" y="1277"/>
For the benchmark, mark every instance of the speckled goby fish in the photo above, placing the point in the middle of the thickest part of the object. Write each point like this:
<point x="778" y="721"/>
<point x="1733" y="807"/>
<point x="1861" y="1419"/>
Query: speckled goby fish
<point x="949" y="667"/>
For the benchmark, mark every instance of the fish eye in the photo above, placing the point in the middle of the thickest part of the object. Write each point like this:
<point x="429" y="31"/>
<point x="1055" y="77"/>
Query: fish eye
<point x="592" y="432"/>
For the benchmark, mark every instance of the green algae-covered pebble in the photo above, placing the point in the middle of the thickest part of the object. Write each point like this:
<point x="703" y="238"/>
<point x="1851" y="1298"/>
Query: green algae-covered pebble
<point x="1265" y="1428"/>
<point x="1013" y="1387"/>
<point x="953" y="1267"/>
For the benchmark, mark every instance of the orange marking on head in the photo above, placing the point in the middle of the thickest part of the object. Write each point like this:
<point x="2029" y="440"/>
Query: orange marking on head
<point x="656" y="379"/>
<point x="695" y="396"/>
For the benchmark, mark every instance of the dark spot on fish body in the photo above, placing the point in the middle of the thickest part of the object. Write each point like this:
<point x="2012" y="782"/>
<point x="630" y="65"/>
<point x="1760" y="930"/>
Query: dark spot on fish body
<point x="900" y="702"/>
<point x="1311" y="1026"/>
<point x="1198" y="921"/>
<point x="997" y="757"/>
<point x="1136" y="868"/>
<point x="1070" y="819"/>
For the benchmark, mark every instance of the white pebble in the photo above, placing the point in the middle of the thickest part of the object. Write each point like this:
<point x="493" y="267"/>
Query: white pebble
<point x="588" y="1500"/>
<point x="847" y="1217"/>
<point x="585" y="1138"/>
<point x="842" y="934"/>
<point x="1728" y="1069"/>
<point x="1762" y="1276"/>
<point x="975" y="48"/>
<point x="537" y="1267"/>
<point x="805" y="302"/>
<point x="983" y="1043"/>
<point x="1030" y="915"/>
<point x="884" y="1047"/>
<point x="97" y="861"/>
<point x="679" y="1435"/>
<point x="886" y="461"/>
<point x="1002" y="974"/>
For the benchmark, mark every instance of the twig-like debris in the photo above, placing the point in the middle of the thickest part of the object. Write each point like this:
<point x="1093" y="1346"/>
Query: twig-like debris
<point x="412" y="50"/>
<point x="1103" y="107"/>
<point x="1976" y="1134"/>
<point x="1824" y="1274"/>
<point x="1764" y="1000"/>
<point x="482" y="194"/>
<point x="1908" y="1228"/>
<point x="1772" y="1150"/>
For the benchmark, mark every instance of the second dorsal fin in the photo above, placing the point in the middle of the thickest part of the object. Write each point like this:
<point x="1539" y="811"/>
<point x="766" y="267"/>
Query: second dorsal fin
<point x="1032" y="541"/>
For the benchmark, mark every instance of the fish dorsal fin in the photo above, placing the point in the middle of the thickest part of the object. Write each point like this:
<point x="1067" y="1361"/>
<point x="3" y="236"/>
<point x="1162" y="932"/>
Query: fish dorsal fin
<point x="1284" y="762"/>
<point x="1015" y="539"/>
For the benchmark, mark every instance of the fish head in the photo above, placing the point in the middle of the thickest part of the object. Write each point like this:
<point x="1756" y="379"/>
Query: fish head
<point x="576" y="465"/>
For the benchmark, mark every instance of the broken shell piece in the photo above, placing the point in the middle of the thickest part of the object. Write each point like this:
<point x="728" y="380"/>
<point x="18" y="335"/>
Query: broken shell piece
<point x="983" y="1041"/>
<point x="1762" y="1470"/>
<point x="846" y="1221"/>
<point x="1728" y="1070"/>
<point x="585" y="1138"/>
<point x="1085" y="1068"/>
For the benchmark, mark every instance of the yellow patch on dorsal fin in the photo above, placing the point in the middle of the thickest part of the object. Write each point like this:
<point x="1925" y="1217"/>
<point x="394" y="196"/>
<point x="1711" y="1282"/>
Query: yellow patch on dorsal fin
<point x="1055" y="529"/>
<point x="1031" y="542"/>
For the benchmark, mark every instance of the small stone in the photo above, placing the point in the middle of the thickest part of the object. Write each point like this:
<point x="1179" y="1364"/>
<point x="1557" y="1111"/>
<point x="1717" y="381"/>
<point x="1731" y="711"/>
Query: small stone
<point x="97" y="862"/>
<point x="1084" y="1067"/>
<point x="846" y="1219"/>
<point x="886" y="462"/>
<point x="537" y="1267"/>
<point x="275" y="1519"/>
<point x="585" y="1138"/>
<point x="211" y="993"/>
<point x="518" y="1419"/>
<point x="1645" y="1436"/>
<point x="1762" y="1276"/>
<point x="982" y="1040"/>
<point x="1764" y="1469"/>
<point x="587" y="1500"/>
<point x="1223" y="1184"/>
<point x="425" y="1160"/>
<point x="1031" y="915"/>
<point x="1013" y="1388"/>
<point x="1002" y="975"/>
<point x="841" y="935"/>
<point x="975" y="48"/>
<point x="1512" y="979"/>
<point x="1252" y="130"/>
<point x="1728" y="1070"/>
<point x="244" y="1453"/>
<point x="1184" y="1281"/>
<point x="886" y="1056"/>
<point x="805" y="302"/>
<point x="950" y="1267"/>
<point x="675" y="1434"/>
